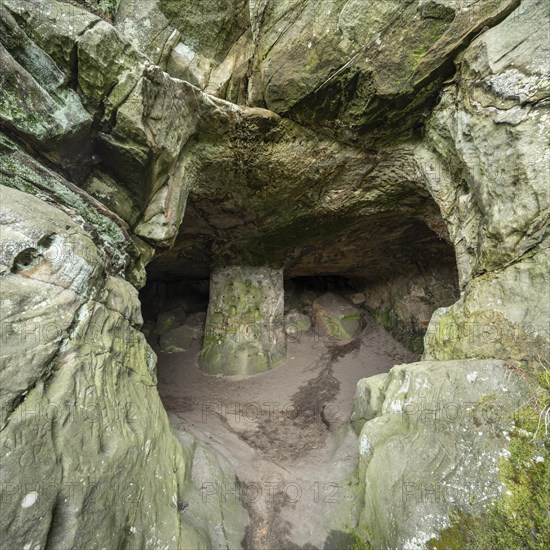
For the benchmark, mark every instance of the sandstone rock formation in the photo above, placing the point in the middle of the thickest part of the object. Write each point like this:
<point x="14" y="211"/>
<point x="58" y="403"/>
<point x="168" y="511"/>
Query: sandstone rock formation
<point x="89" y="459"/>
<point x="487" y="167"/>
<point x="431" y="444"/>
<point x="244" y="331"/>
<point x="402" y="147"/>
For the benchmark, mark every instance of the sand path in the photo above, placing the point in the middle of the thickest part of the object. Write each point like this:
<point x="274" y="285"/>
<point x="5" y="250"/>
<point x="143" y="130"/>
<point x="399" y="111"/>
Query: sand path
<point x="286" y="432"/>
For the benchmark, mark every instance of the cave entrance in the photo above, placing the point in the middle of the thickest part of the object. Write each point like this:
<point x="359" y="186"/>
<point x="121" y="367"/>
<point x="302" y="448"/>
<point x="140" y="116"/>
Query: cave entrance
<point x="286" y="432"/>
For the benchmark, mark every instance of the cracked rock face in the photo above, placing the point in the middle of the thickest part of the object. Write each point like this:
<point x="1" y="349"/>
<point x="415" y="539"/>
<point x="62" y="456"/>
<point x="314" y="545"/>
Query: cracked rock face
<point x="487" y="167"/>
<point x="401" y="146"/>
<point x="331" y="65"/>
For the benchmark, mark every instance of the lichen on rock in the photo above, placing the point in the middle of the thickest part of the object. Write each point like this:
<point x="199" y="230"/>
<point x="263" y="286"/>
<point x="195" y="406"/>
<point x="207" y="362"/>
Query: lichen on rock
<point x="440" y="429"/>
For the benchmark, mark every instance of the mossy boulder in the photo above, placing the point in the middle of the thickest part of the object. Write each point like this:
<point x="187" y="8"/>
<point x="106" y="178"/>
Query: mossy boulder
<point x="337" y="317"/>
<point x="212" y="55"/>
<point x="404" y="304"/>
<point x="182" y="336"/>
<point x="55" y="26"/>
<point x="113" y="195"/>
<point x="433" y="445"/>
<point x="296" y="322"/>
<point x="482" y="153"/>
<point x="519" y="517"/>
<point x="342" y="68"/>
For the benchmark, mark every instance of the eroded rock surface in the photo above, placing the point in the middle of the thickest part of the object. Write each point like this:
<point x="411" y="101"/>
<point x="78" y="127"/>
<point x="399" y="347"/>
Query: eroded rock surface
<point x="89" y="459"/>
<point x="433" y="437"/>
<point x="487" y="167"/>
<point x="334" y="65"/>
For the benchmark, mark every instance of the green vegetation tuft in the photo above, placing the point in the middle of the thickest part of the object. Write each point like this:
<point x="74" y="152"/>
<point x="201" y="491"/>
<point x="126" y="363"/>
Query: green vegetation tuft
<point x="103" y="8"/>
<point x="358" y="543"/>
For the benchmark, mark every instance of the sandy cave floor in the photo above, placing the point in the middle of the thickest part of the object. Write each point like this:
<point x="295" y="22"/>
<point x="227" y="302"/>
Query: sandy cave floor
<point x="285" y="431"/>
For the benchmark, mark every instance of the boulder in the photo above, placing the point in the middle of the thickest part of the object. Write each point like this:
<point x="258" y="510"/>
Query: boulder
<point x="296" y="322"/>
<point x="347" y="67"/>
<point x="167" y="320"/>
<point x="432" y="444"/>
<point x="337" y="317"/>
<point x="105" y="65"/>
<point x="181" y="337"/>
<point x="113" y="195"/>
<point x="155" y="118"/>
<point x="55" y="26"/>
<point x="340" y="69"/>
<point x="212" y="56"/>
<point x="502" y="314"/>
<point x="142" y="118"/>
<point x="358" y="298"/>
<point x="206" y="501"/>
